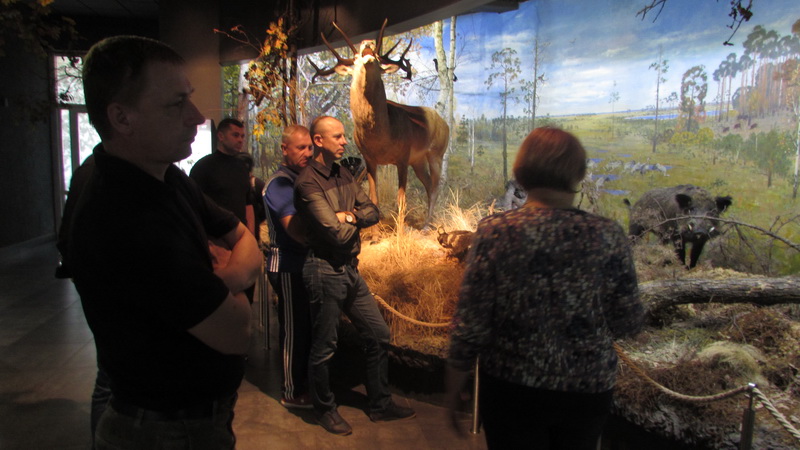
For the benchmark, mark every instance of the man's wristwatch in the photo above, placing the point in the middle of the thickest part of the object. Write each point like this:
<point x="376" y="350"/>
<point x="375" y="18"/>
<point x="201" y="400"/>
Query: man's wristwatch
<point x="349" y="218"/>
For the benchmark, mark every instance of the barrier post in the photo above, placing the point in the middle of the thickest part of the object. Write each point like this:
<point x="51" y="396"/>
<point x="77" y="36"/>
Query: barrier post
<point x="748" y="420"/>
<point x="476" y="418"/>
<point x="264" y="291"/>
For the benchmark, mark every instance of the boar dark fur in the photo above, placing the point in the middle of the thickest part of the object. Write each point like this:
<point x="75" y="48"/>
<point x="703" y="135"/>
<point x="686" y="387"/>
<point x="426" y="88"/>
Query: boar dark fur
<point x="663" y="211"/>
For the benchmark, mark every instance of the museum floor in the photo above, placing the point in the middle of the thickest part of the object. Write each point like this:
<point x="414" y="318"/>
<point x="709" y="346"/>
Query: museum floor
<point x="47" y="368"/>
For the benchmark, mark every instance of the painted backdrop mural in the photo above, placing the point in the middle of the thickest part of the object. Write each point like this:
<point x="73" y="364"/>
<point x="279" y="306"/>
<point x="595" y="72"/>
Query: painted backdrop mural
<point x="656" y="103"/>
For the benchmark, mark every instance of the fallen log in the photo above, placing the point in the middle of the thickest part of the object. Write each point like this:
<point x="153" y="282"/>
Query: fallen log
<point x="761" y="291"/>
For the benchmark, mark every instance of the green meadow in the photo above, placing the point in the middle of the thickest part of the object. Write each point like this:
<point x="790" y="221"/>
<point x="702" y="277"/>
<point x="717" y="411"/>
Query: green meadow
<point x="759" y="200"/>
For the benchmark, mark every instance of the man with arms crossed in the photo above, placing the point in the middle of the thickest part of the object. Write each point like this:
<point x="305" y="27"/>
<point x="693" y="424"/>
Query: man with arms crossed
<point x="335" y="209"/>
<point x="287" y="252"/>
<point x="170" y="330"/>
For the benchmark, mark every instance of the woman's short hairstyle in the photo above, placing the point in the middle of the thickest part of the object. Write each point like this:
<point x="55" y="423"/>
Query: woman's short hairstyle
<point x="113" y="71"/>
<point x="550" y="158"/>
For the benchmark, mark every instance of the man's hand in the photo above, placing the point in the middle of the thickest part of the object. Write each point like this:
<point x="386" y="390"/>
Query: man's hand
<point x="220" y="254"/>
<point x="244" y="263"/>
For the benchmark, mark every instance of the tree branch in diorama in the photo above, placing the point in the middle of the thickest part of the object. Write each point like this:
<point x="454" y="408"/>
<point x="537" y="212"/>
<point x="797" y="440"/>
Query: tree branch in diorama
<point x="35" y="24"/>
<point x="771" y="234"/>
<point x="739" y="13"/>
<point x="271" y="75"/>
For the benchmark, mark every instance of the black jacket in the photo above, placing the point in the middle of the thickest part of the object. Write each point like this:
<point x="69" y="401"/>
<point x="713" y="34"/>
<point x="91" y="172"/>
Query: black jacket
<point x="321" y="192"/>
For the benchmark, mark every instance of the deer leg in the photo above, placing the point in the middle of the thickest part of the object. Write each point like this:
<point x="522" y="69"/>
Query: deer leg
<point x="435" y="165"/>
<point x="372" y="169"/>
<point x="402" y="181"/>
<point x="429" y="175"/>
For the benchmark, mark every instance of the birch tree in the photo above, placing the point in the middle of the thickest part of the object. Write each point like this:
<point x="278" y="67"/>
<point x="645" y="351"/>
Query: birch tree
<point x="661" y="67"/>
<point x="505" y="65"/>
<point x="531" y="88"/>
<point x="445" y="70"/>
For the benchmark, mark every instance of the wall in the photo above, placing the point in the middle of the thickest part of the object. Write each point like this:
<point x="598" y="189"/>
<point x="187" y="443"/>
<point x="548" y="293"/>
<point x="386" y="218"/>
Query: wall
<point x="26" y="170"/>
<point x="188" y="26"/>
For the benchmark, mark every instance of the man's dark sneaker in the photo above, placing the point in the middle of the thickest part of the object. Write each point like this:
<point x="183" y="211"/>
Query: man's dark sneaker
<point x="301" y="402"/>
<point x="334" y="423"/>
<point x="392" y="412"/>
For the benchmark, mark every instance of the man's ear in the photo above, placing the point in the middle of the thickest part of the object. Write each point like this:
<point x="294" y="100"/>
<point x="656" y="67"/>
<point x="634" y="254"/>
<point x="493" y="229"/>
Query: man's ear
<point x="120" y="118"/>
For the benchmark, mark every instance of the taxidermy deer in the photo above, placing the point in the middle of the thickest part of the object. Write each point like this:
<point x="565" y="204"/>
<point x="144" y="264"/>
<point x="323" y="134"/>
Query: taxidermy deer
<point x="387" y="132"/>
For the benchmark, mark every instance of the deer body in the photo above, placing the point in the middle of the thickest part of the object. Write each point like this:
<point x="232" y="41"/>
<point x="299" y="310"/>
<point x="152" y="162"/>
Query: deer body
<point x="386" y="132"/>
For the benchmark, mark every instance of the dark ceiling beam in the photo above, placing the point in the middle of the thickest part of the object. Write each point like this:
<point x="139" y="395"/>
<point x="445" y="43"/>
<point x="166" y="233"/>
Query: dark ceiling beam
<point x="360" y="19"/>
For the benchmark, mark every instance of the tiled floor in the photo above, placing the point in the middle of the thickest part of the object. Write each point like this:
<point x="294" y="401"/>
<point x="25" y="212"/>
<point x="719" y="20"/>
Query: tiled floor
<point x="47" y="368"/>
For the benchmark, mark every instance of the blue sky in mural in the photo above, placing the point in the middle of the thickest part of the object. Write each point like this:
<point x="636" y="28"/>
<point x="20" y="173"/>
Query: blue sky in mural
<point x="595" y="43"/>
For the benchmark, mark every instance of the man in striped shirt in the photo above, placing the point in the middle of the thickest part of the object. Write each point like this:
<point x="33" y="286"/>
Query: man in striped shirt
<point x="287" y="252"/>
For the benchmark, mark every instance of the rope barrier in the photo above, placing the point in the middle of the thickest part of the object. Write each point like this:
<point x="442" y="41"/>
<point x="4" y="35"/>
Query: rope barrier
<point x="777" y="414"/>
<point x="689" y="398"/>
<point x="409" y="319"/>
<point x="780" y="418"/>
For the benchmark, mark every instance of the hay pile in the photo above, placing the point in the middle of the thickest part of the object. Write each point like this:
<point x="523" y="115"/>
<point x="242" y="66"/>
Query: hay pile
<point x="412" y="273"/>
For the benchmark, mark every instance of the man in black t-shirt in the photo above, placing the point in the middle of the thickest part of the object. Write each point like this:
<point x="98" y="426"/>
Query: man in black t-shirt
<point x="224" y="176"/>
<point x="170" y="329"/>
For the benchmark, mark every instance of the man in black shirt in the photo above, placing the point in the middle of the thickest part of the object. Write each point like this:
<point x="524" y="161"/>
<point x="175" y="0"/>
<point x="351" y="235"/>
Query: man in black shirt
<point x="170" y="329"/>
<point x="335" y="209"/>
<point x="224" y="176"/>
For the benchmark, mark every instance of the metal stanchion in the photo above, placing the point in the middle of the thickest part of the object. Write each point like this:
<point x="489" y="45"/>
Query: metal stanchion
<point x="476" y="418"/>
<point x="261" y="297"/>
<point x="748" y="420"/>
<point x="264" y="296"/>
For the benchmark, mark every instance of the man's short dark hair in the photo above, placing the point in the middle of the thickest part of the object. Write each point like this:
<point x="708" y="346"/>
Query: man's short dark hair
<point x="113" y="71"/>
<point x="224" y="124"/>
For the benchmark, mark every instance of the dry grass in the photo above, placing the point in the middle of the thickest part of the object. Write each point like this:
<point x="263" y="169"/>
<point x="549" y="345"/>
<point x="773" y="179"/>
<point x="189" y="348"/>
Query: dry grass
<point x="409" y="270"/>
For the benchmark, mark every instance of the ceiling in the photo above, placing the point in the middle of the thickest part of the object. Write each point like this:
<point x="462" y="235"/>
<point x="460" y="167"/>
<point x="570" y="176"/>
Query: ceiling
<point x="101" y="18"/>
<point x="123" y="9"/>
<point x="148" y="9"/>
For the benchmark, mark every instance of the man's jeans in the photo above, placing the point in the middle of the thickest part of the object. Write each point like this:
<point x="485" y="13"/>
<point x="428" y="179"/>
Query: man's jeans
<point x="333" y="291"/>
<point x="118" y="431"/>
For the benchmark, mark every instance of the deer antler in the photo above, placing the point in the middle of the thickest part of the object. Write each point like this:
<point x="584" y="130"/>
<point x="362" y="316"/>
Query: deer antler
<point x="346" y="39"/>
<point x="345" y="61"/>
<point x="379" y="42"/>
<point x="341" y="60"/>
<point x="320" y="72"/>
<point x="402" y="63"/>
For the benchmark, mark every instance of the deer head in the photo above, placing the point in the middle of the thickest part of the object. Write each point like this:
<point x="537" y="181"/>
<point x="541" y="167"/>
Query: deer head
<point x="367" y="52"/>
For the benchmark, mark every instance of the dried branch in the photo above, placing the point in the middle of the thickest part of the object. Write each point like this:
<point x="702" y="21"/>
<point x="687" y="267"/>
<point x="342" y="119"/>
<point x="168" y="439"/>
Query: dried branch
<point x="769" y="233"/>
<point x="647" y="8"/>
<point x="739" y="13"/>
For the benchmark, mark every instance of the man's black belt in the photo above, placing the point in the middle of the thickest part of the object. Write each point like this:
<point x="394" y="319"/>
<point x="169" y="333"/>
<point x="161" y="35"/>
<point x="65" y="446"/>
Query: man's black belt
<point x="205" y="411"/>
<point x="334" y="259"/>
